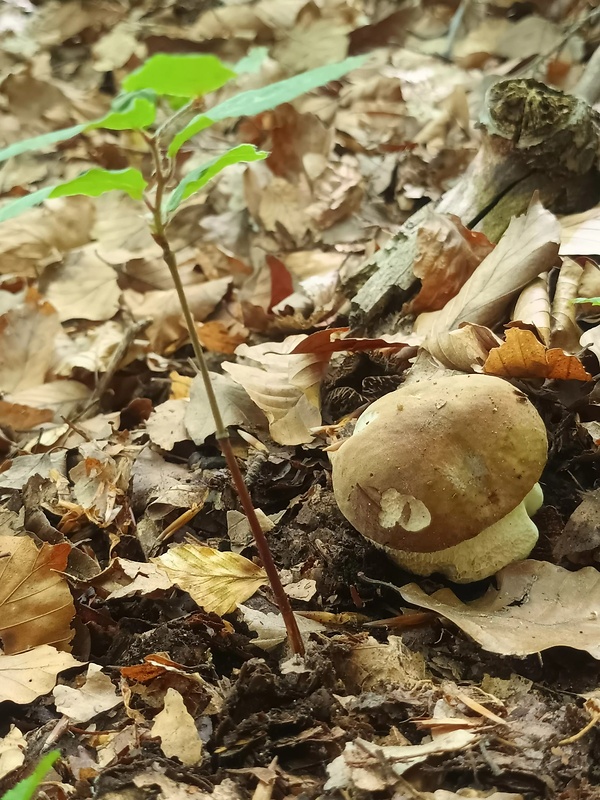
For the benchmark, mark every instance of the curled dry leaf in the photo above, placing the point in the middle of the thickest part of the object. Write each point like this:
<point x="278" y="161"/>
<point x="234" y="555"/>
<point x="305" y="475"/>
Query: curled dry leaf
<point x="447" y="254"/>
<point x="96" y="696"/>
<point x="26" y="676"/>
<point x="176" y="729"/>
<point x="216" y="581"/>
<point x="36" y="606"/>
<point x="528" y="247"/>
<point x="537" y="605"/>
<point x="522" y="355"/>
<point x="580" y="233"/>
<point x="533" y="307"/>
<point x="466" y="348"/>
<point x="565" y="330"/>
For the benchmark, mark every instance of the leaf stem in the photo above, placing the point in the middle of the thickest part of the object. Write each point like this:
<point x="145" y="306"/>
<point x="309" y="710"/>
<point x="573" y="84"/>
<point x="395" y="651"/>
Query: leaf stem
<point x="222" y="434"/>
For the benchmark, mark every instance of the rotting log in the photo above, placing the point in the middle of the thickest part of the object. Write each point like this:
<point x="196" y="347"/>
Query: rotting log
<point x="534" y="138"/>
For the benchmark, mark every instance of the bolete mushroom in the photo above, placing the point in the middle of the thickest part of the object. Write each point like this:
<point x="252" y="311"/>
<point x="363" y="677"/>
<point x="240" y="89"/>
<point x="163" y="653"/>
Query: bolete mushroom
<point x="443" y="475"/>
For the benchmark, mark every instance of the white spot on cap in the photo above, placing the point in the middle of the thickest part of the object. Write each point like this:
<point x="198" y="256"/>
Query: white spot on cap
<point x="404" y="510"/>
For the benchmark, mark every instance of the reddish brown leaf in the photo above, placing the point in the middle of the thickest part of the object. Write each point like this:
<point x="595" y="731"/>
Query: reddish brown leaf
<point x="523" y="356"/>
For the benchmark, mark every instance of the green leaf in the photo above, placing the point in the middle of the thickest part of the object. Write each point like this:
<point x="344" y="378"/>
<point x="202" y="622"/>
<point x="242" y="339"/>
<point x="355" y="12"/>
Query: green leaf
<point x="136" y="110"/>
<point x="179" y="75"/>
<point x="40" y="142"/>
<point x="25" y="789"/>
<point x="92" y="183"/>
<point x="129" y="112"/>
<point x="595" y="301"/>
<point x="257" y="100"/>
<point x="200" y="176"/>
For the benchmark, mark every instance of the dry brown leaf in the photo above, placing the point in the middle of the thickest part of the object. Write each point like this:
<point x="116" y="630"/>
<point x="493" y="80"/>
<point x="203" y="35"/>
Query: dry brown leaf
<point x="163" y="308"/>
<point x="285" y="386"/>
<point x="13" y="747"/>
<point x="216" y="580"/>
<point x="83" y="286"/>
<point x="27" y="340"/>
<point x="447" y="254"/>
<point x="465" y="349"/>
<point x="62" y="398"/>
<point x="522" y="355"/>
<point x="234" y="403"/>
<point x="565" y="331"/>
<point x="124" y="578"/>
<point x="99" y="484"/>
<point x="37" y="238"/>
<point x="218" y="337"/>
<point x="121" y="232"/>
<point x="591" y="340"/>
<point x="528" y="247"/>
<point x="533" y="307"/>
<point x="36" y="606"/>
<point x="580" y="233"/>
<point x="94" y="697"/>
<point x="271" y="629"/>
<point x="26" y="676"/>
<point x="176" y="729"/>
<point x="166" y="425"/>
<point x="537" y="605"/>
<point x="23" y="418"/>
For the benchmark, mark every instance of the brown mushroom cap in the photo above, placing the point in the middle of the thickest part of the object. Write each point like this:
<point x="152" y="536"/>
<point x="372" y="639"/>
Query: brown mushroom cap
<point x="439" y="461"/>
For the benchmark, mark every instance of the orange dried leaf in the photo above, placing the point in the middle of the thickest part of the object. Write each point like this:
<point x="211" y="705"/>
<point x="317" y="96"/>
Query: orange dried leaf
<point x="524" y="356"/>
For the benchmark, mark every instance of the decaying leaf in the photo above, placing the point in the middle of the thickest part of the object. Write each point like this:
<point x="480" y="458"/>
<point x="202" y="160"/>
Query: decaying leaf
<point x="522" y="355"/>
<point x="533" y="307"/>
<point x="96" y="696"/>
<point x="447" y="254"/>
<point x="26" y="676"/>
<point x="359" y="766"/>
<point x="36" y="606"/>
<point x="466" y="349"/>
<point x="270" y="627"/>
<point x="217" y="581"/>
<point x="537" y="605"/>
<point x="176" y="729"/>
<point x="528" y="247"/>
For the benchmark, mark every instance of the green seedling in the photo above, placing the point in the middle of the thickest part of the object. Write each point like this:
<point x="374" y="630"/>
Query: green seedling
<point x="178" y="82"/>
<point x="25" y="789"/>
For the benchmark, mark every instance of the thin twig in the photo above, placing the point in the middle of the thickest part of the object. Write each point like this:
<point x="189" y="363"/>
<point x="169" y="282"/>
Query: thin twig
<point x="222" y="434"/>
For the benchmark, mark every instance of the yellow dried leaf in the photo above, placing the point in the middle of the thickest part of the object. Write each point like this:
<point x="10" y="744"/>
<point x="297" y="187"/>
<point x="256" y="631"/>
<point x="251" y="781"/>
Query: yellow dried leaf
<point x="216" y="581"/>
<point x="36" y="606"/>
<point x="524" y="356"/>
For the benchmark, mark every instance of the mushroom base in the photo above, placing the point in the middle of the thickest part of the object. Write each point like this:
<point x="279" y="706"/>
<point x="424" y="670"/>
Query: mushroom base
<point x="510" y="539"/>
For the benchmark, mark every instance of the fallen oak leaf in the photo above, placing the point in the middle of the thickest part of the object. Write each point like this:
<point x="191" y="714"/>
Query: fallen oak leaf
<point x="522" y="355"/>
<point x="537" y="605"/>
<point x="217" y="581"/>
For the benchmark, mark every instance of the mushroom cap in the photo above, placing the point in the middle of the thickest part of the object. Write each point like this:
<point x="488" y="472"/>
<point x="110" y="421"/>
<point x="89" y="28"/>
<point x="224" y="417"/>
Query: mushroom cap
<point x="435" y="463"/>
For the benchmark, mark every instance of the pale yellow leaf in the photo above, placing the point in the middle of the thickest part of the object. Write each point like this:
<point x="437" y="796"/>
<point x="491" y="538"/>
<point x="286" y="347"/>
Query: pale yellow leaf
<point x="95" y="696"/>
<point x="176" y="729"/>
<point x="217" y="581"/>
<point x="26" y="676"/>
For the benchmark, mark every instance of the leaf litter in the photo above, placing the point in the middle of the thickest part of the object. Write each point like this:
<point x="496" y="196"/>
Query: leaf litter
<point x="139" y="635"/>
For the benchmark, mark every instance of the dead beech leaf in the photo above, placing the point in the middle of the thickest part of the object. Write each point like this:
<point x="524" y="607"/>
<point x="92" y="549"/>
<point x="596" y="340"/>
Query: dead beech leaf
<point x="216" y="581"/>
<point x="218" y="337"/>
<point x="522" y="355"/>
<point x="533" y="307"/>
<point x="23" y="418"/>
<point x="83" y="287"/>
<point x="163" y="308"/>
<point x="59" y="397"/>
<point x="465" y="349"/>
<point x="96" y="696"/>
<point x="580" y="233"/>
<point x="176" y="729"/>
<point x="27" y="335"/>
<point x="284" y="385"/>
<point x="528" y="247"/>
<point x="166" y="424"/>
<point x="537" y="605"/>
<point x="565" y="331"/>
<point x="36" y="606"/>
<point x="236" y="407"/>
<point x="99" y="484"/>
<point x="26" y="676"/>
<point x="447" y="254"/>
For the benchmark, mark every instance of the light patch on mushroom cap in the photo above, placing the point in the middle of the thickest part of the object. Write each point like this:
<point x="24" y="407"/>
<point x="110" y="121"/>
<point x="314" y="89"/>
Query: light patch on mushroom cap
<point x="510" y="539"/>
<point x="403" y="509"/>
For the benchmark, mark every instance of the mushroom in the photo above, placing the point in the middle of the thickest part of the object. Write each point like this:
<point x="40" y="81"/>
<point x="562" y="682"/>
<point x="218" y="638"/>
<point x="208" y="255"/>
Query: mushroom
<point x="443" y="475"/>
